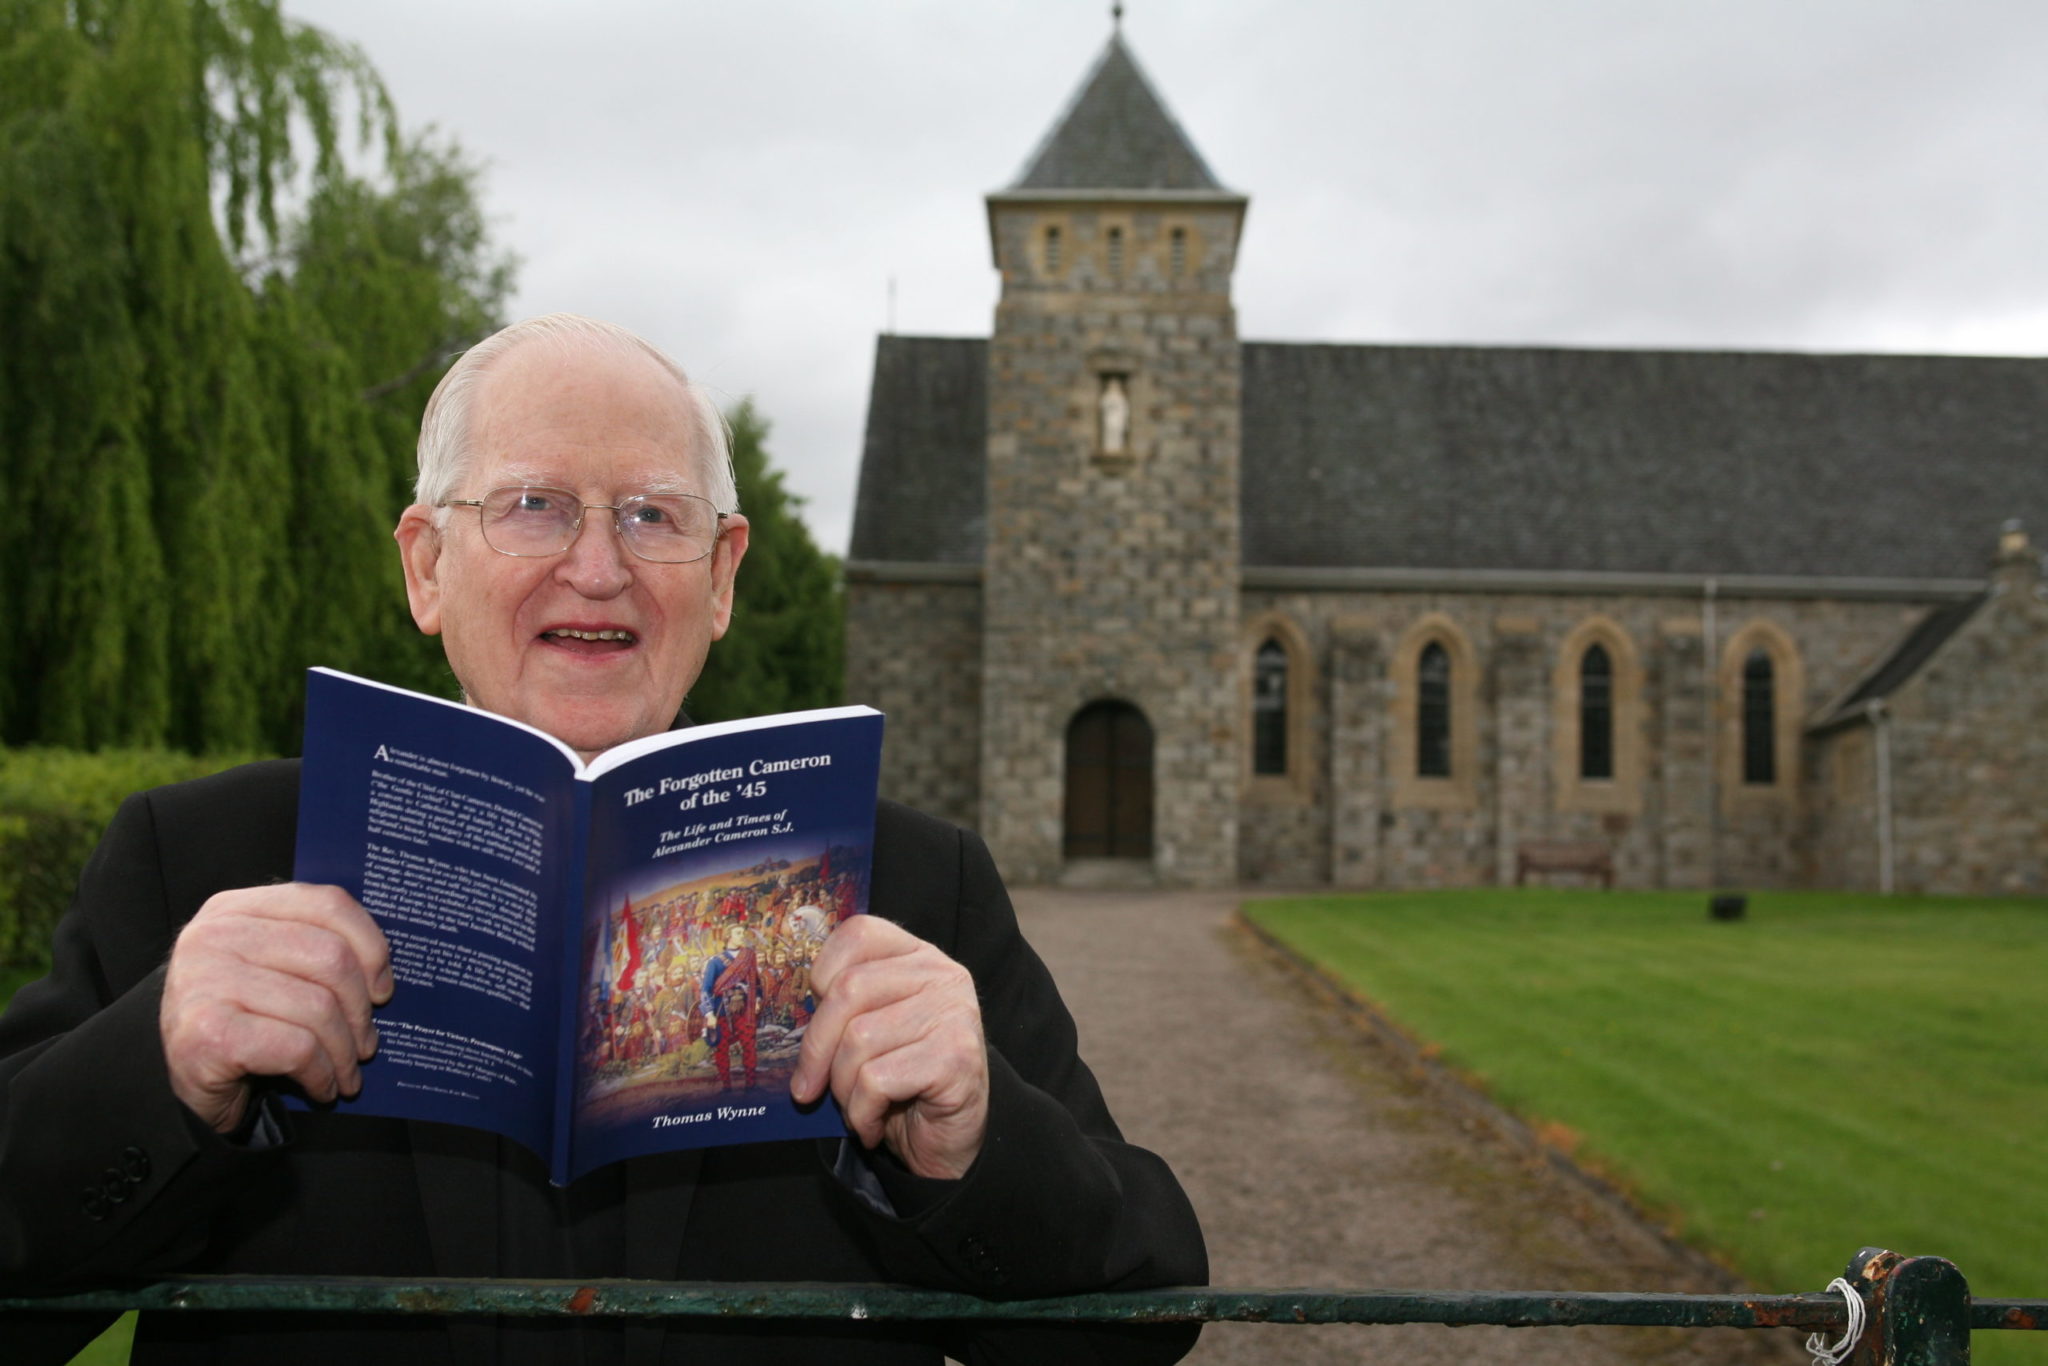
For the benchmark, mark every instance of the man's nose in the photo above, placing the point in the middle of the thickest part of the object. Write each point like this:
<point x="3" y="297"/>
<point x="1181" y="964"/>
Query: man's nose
<point x="597" y="563"/>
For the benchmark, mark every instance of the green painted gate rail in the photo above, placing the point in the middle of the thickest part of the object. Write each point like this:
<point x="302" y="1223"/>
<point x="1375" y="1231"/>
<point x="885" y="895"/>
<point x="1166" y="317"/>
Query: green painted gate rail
<point x="1918" y="1310"/>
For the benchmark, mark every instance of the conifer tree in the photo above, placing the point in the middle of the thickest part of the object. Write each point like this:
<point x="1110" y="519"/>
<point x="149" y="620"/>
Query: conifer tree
<point x="785" y="648"/>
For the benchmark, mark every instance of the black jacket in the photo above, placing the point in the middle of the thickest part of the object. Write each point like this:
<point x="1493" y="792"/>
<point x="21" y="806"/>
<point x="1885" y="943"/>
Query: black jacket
<point x="104" y="1174"/>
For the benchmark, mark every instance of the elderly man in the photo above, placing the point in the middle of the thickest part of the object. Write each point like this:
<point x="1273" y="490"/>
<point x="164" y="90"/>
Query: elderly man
<point x="140" y="1129"/>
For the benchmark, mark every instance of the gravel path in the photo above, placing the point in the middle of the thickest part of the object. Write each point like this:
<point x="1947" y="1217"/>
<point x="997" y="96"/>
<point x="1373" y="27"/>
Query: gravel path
<point x="1314" y="1161"/>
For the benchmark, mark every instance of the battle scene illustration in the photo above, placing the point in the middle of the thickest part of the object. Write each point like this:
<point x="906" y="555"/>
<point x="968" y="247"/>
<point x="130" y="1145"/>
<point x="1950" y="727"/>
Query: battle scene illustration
<point x="700" y="988"/>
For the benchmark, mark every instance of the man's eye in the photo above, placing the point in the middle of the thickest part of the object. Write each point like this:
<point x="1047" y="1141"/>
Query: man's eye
<point x="532" y="503"/>
<point x="666" y="516"/>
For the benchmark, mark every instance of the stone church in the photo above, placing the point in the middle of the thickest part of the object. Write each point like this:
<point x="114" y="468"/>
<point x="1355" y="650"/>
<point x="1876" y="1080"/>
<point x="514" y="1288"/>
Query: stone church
<point x="1141" y="596"/>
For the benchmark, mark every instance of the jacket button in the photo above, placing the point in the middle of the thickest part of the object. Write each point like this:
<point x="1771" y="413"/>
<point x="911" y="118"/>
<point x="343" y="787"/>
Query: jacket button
<point x="94" y="1206"/>
<point x="135" y="1164"/>
<point x="113" y="1186"/>
<point x="981" y="1259"/>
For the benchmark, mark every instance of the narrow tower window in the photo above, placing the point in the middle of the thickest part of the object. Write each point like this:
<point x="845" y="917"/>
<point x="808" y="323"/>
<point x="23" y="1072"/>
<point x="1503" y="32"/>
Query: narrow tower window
<point x="1269" y="709"/>
<point x="1116" y="251"/>
<point x="1052" y="250"/>
<point x="1759" y="719"/>
<point x="1177" y="251"/>
<point x="1433" y="712"/>
<point x="1596" y="713"/>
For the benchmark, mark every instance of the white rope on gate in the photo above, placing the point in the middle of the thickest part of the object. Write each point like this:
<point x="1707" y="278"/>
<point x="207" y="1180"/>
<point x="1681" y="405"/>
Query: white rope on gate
<point x="1824" y="1355"/>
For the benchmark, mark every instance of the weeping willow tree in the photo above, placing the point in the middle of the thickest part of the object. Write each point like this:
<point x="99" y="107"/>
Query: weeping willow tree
<point x="207" y="403"/>
<point x="387" y="283"/>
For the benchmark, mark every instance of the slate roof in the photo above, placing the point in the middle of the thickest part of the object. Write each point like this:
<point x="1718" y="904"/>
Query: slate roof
<point x="1116" y="134"/>
<point x="1694" y="462"/>
<point x="1527" y="458"/>
<point x="924" y="465"/>
<point x="1918" y="646"/>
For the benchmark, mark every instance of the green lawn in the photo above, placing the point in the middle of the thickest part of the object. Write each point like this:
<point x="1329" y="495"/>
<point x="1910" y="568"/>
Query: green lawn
<point x="1835" y="1071"/>
<point x="111" y="1347"/>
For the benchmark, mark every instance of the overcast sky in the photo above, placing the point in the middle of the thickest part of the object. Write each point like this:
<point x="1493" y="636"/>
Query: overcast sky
<point x="741" y="181"/>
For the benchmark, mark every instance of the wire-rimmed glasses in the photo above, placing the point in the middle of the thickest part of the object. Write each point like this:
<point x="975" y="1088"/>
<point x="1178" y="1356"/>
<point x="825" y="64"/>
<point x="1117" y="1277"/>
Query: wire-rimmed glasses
<point x="530" y="520"/>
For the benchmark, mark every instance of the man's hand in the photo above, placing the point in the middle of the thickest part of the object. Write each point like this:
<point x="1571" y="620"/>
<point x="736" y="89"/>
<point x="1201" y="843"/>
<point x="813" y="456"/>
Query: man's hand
<point x="897" y="1036"/>
<point x="272" y="982"/>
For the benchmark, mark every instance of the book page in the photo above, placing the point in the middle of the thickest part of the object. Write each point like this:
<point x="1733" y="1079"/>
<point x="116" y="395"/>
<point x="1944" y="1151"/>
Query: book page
<point x="716" y="870"/>
<point x="451" y="828"/>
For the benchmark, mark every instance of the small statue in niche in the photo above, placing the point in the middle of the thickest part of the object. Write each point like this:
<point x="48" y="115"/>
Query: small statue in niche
<point x="1116" y="416"/>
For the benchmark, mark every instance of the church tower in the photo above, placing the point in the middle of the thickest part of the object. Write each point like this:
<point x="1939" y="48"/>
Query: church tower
<point x="1111" y="688"/>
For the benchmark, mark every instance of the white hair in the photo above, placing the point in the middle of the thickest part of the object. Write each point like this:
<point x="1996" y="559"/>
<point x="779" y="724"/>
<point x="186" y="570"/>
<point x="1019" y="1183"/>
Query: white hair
<point x="444" y="449"/>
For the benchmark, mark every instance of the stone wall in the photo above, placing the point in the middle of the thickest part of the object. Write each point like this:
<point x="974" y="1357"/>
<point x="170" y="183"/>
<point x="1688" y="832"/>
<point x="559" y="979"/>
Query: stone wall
<point x="1843" y="842"/>
<point x="913" y="651"/>
<point x="1284" y="845"/>
<point x="1969" y="751"/>
<point x="1112" y="573"/>
<point x="1661" y="818"/>
<point x="1969" y="739"/>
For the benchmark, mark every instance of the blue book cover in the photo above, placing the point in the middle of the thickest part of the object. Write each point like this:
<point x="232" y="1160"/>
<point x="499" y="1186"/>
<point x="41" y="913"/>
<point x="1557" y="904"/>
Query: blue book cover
<point x="598" y="961"/>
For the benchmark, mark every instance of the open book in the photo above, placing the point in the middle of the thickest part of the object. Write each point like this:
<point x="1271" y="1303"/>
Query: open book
<point x="597" y="961"/>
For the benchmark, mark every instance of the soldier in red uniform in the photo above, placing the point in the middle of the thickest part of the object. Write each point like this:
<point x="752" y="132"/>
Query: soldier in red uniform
<point x="732" y="1003"/>
<point x="775" y="983"/>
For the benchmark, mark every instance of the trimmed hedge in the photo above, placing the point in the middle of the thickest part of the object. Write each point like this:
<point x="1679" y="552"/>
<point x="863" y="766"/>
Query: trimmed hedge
<point x="53" y="805"/>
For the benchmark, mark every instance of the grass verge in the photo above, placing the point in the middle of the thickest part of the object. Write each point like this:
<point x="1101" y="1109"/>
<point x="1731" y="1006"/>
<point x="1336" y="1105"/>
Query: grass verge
<point x="1835" y="1071"/>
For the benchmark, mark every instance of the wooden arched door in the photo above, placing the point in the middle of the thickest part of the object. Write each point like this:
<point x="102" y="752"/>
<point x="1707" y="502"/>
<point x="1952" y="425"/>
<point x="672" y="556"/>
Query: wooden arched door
<point x="1109" y="783"/>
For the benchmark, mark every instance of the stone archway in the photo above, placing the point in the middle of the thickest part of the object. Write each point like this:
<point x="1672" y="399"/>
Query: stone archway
<point x="1109" y="783"/>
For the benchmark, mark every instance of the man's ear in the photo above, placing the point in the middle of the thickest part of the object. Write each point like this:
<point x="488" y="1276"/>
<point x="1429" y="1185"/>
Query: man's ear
<point x="725" y="566"/>
<point x="419" y="551"/>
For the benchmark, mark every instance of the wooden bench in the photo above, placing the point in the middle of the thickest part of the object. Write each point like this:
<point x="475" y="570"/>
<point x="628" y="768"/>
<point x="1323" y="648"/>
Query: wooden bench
<point x="1565" y="856"/>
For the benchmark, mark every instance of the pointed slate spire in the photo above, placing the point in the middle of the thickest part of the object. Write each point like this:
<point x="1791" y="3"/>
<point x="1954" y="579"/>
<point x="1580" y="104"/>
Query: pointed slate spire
<point x="1116" y="134"/>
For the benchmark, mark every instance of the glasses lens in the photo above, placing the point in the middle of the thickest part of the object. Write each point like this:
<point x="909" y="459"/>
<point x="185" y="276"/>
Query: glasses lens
<point x="530" y="521"/>
<point x="674" y="528"/>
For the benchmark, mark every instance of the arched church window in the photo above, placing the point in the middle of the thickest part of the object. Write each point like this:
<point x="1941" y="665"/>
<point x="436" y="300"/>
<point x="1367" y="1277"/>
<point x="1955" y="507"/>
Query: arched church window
<point x="1052" y="249"/>
<point x="1759" y="719"/>
<point x="1433" y="712"/>
<point x="1269" y="709"/>
<point x="1596" y="713"/>
<point x="1116" y="251"/>
<point x="1177" y="251"/>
